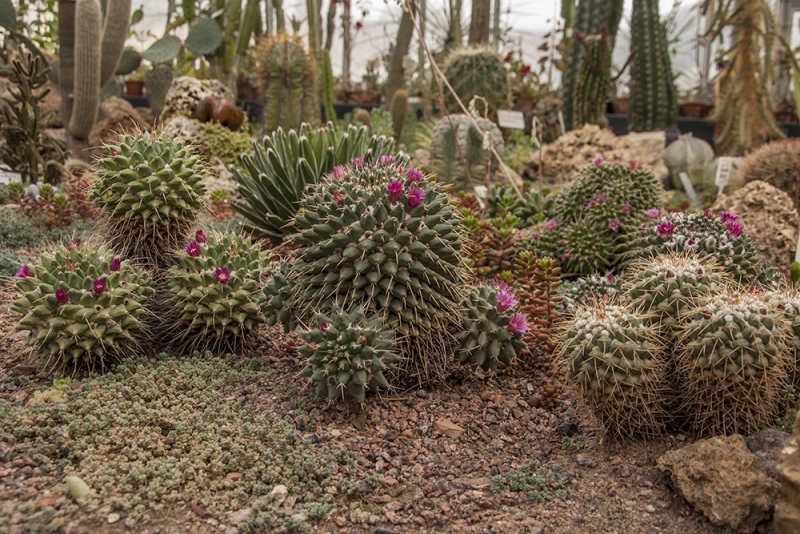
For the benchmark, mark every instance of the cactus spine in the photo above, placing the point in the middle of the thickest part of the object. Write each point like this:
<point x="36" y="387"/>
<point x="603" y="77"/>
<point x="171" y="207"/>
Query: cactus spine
<point x="591" y="89"/>
<point x="399" y="110"/>
<point x="653" y="99"/>
<point x="327" y="87"/>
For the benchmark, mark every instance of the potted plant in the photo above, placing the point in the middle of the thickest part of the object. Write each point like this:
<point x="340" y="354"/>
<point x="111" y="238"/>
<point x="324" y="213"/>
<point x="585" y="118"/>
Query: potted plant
<point x="134" y="82"/>
<point x="694" y="104"/>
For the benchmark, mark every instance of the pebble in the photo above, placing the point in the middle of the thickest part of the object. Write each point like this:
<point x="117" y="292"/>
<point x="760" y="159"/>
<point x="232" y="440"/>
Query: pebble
<point x="650" y="508"/>
<point x="113" y="518"/>
<point x="299" y="518"/>
<point x="279" y="493"/>
<point x="336" y="432"/>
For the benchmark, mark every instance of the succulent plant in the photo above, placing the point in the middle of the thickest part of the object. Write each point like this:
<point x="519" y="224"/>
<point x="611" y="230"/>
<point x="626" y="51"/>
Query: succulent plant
<point x="580" y="247"/>
<point x="787" y="302"/>
<point x="347" y="354"/>
<point x="617" y="362"/>
<point x="214" y="289"/>
<point x="732" y="363"/>
<point x="449" y="143"/>
<point x="491" y="330"/>
<point x="149" y="190"/>
<point x="539" y="280"/>
<point x="82" y="306"/>
<point x="276" y="302"/>
<point x="399" y="110"/>
<point x="476" y="71"/>
<point x="362" y="117"/>
<point x="587" y="290"/>
<point x="493" y="244"/>
<point x="777" y="164"/>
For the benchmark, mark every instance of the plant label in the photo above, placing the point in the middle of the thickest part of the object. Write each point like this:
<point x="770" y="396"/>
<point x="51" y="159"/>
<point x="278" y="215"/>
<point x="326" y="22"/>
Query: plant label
<point x="688" y="187"/>
<point x="724" y="168"/>
<point x="511" y="119"/>
<point x="8" y="176"/>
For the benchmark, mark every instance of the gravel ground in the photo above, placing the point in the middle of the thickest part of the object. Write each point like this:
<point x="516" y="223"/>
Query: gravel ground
<point x="474" y="455"/>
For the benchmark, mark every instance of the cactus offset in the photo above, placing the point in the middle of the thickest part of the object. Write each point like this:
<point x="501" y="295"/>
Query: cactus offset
<point x="476" y="71"/>
<point x="276" y="301"/>
<point x="399" y="110"/>
<point x="287" y="80"/>
<point x="591" y="89"/>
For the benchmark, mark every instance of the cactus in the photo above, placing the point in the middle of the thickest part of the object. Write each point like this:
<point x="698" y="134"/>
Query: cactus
<point x="693" y="156"/>
<point x="617" y="362"/>
<point x="88" y="56"/>
<point x="158" y="82"/>
<point x="128" y="62"/>
<point x="347" y="354"/>
<point x="399" y="110"/>
<point x="82" y="306"/>
<point x="288" y="83"/>
<point x="491" y="329"/>
<point x="591" y="88"/>
<point x="539" y="280"/>
<point x="580" y="247"/>
<point x="732" y="361"/>
<point x="786" y="301"/>
<point x="590" y="289"/>
<point x="493" y="244"/>
<point x="327" y="87"/>
<point x="314" y="28"/>
<point x="778" y="164"/>
<point x="214" y="290"/>
<point x="653" y="103"/>
<point x="362" y="117"/>
<point x="476" y="71"/>
<point x="149" y="190"/>
<point x="276" y="302"/>
<point x="446" y="156"/>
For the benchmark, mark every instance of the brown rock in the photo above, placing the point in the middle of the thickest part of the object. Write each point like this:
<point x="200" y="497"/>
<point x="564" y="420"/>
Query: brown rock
<point x="221" y="110"/>
<point x="448" y="428"/>
<point x="186" y="92"/>
<point x="767" y="445"/>
<point x="720" y="478"/>
<point x="118" y="117"/>
<point x="787" y="511"/>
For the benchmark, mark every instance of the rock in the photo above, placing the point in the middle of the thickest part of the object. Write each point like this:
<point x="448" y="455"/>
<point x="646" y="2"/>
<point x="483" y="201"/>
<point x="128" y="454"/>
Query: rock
<point x="787" y="511"/>
<point x="537" y="527"/>
<point x="77" y="487"/>
<point x="299" y="518"/>
<point x="147" y="115"/>
<point x="279" y="493"/>
<point x="221" y="110"/>
<point x="767" y="446"/>
<point x="448" y="428"/>
<point x="50" y="500"/>
<point x="240" y="516"/>
<point x="720" y="478"/>
<point x="336" y="433"/>
<point x="769" y="217"/>
<point x="117" y="117"/>
<point x="199" y="512"/>
<point x="186" y="92"/>
<point x="186" y="129"/>
<point x="113" y="518"/>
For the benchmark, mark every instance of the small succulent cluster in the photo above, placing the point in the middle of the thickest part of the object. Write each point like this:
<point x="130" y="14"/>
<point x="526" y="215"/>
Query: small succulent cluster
<point x="492" y="244"/>
<point x="276" y="301"/>
<point x="149" y="189"/>
<point x="82" y="306"/>
<point x="538" y="281"/>
<point x="532" y="208"/>
<point x="491" y="330"/>
<point x="347" y="354"/>
<point x="214" y="289"/>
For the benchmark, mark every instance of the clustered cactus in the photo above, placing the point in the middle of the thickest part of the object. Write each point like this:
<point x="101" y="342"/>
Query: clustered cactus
<point x="587" y="289"/>
<point x="276" y="300"/>
<point x="347" y="354"/>
<point x="82" y="306"/>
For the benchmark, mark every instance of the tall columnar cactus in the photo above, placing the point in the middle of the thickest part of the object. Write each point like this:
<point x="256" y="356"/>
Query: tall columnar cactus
<point x="399" y="110"/>
<point x="89" y="52"/>
<point x="327" y="87"/>
<point x="288" y="82"/>
<point x="591" y="89"/>
<point x="654" y="104"/>
<point x="590" y="17"/>
<point x="476" y="71"/>
<point x="82" y="306"/>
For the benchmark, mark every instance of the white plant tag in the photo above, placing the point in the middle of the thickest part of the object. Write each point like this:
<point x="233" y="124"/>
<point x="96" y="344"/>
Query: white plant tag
<point x="8" y="176"/>
<point x="511" y="119"/>
<point x="688" y="187"/>
<point x="724" y="168"/>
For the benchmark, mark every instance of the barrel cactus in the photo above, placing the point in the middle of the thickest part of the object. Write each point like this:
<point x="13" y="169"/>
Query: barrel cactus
<point x="591" y="288"/>
<point x="149" y="189"/>
<point x="786" y="301"/>
<point x="776" y="163"/>
<point x="214" y="289"/>
<point x="617" y="362"/>
<point x="491" y="329"/>
<point x="276" y="301"/>
<point x="347" y="354"/>
<point x="732" y="363"/>
<point x="82" y="306"/>
<point x="477" y="71"/>
<point x="580" y="247"/>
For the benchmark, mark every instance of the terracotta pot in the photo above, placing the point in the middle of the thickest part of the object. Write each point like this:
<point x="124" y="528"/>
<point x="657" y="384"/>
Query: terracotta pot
<point x="134" y="88"/>
<point x="621" y="105"/>
<point x="785" y="115"/>
<point x="694" y="110"/>
<point x="524" y="103"/>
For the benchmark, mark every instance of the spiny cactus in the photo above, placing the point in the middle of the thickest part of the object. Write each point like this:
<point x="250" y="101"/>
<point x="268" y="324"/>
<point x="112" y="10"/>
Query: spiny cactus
<point x="491" y="330"/>
<point x="732" y="362"/>
<point x="347" y="354"/>
<point x="362" y="117"/>
<point x="149" y="190"/>
<point x="476" y="71"/>
<point x="580" y="247"/>
<point x="82" y="306"/>
<point x="383" y="237"/>
<point x="591" y="89"/>
<point x="590" y="289"/>
<point x="616" y="360"/>
<point x="287" y="80"/>
<point x="276" y="302"/>
<point x="399" y="110"/>
<point x="786" y="301"/>
<point x="778" y="164"/>
<point x="214" y="289"/>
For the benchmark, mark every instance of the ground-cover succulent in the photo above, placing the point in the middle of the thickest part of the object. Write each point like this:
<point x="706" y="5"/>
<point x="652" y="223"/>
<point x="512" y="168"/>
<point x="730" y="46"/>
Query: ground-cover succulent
<point x="82" y="306"/>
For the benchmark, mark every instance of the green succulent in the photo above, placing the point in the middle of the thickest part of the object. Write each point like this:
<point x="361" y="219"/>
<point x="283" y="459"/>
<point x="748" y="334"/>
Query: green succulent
<point x="477" y="71"/>
<point x="532" y="208"/>
<point x="580" y="247"/>
<point x="589" y="289"/>
<point x="276" y="302"/>
<point x="787" y="302"/>
<point x="82" y="306"/>
<point x="347" y="354"/>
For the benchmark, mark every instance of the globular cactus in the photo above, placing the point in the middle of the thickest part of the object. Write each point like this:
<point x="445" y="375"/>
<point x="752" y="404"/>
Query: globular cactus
<point x="399" y="110"/>
<point x="347" y="354"/>
<point x="617" y="362"/>
<point x="691" y="155"/>
<point x="149" y="190"/>
<point x="579" y="247"/>
<point x="82" y="306"/>
<point x="383" y="237"/>
<point x="492" y="330"/>
<point x="327" y="87"/>
<point x="276" y="302"/>
<point x="590" y="289"/>
<point x="362" y="117"/>
<point x="778" y="164"/>
<point x="476" y="71"/>
<point x="732" y="363"/>
<point x="447" y="149"/>
<point x="654" y="104"/>
<point x="286" y="74"/>
<point x="786" y="301"/>
<point x="214" y="291"/>
<point x="591" y="89"/>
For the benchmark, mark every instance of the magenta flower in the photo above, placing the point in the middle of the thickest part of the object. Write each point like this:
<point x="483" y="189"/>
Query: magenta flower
<point x="601" y="199"/>
<point x="200" y="236"/>
<point x="639" y="165"/>
<point x="613" y="224"/>
<point x="395" y="189"/>
<point x="632" y="163"/>
<point x="591" y="204"/>
<point x="114" y="153"/>
<point x="25" y="272"/>
<point x="340" y="171"/>
<point x="617" y="162"/>
<point x="708" y="214"/>
<point x="551" y="224"/>
<point x="192" y="249"/>
<point x="726" y="216"/>
<point x="566" y="256"/>
<point x="625" y="208"/>
<point x="73" y="243"/>
<point x="501" y="286"/>
<point x="386" y="160"/>
<point x="691" y="241"/>
<point x="611" y="279"/>
<point x="535" y="236"/>
<point x="61" y="296"/>
<point x="415" y="196"/>
<point x="652" y="213"/>
<point x="114" y="265"/>
<point x="736" y="229"/>
<point x="222" y="275"/>
<point x="357" y="162"/>
<point x="598" y="160"/>
<point x="414" y="175"/>
<point x="99" y="286"/>
<point x="338" y="197"/>
<point x="517" y="323"/>
<point x="323" y="326"/>
<point x="265" y="274"/>
<point x="505" y="300"/>
<point x="665" y="228"/>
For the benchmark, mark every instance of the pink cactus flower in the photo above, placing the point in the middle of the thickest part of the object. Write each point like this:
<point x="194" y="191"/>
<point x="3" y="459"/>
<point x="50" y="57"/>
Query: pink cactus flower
<point x="632" y="164"/>
<point x="414" y="175"/>
<point x="99" y="286"/>
<point x="395" y="189"/>
<point x="25" y="272"/>
<point x="338" y="197"/>
<point x="61" y="296"/>
<point x="736" y="229"/>
<point x="357" y="162"/>
<point x="613" y="224"/>
<point x="114" y="265"/>
<point x="591" y="204"/>
<point x="598" y="160"/>
<point x="726" y="216"/>
<point x="652" y="213"/>
<point x="386" y="160"/>
<point x="200" y="236"/>
<point x="517" y="323"/>
<point x="665" y="228"/>
<point x="340" y="171"/>
<point x="501" y="286"/>
<point x="73" y="243"/>
<point x="323" y="326"/>
<point x="611" y="279"/>
<point x="222" y="275"/>
<point x="551" y="224"/>
<point x="626" y="208"/>
<point x="415" y="196"/>
<point x="192" y="249"/>
<point x="505" y="300"/>
<point x="601" y="199"/>
<point x="566" y="256"/>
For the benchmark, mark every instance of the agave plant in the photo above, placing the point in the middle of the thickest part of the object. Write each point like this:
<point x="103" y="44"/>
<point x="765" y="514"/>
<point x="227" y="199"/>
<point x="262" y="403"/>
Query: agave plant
<point x="284" y="163"/>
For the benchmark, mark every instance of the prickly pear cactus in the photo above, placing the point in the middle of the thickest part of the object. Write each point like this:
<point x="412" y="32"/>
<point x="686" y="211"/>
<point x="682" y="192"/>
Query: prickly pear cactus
<point x="214" y="290"/>
<point x="82" y="306"/>
<point x="732" y="359"/>
<point x="491" y="329"/>
<point x="347" y="354"/>
<point x="616" y="360"/>
<point x="149" y="189"/>
<point x="276" y="301"/>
